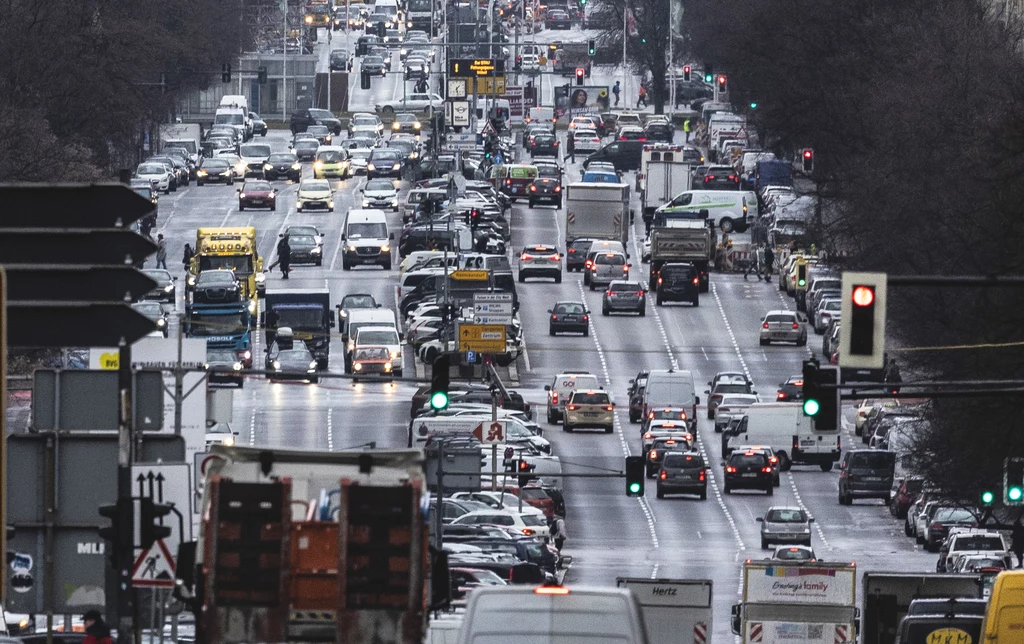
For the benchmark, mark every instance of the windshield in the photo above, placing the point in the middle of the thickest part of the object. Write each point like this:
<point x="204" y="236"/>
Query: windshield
<point x="150" y="309"/>
<point x="979" y="542"/>
<point x="331" y="156"/>
<point x="377" y="337"/>
<point x="158" y="275"/>
<point x="216" y="278"/>
<point x="260" y="151"/>
<point x="302" y="240"/>
<point x="315" y="186"/>
<point x="216" y="164"/>
<point x="151" y="168"/>
<point x="379" y="184"/>
<point x="282" y="158"/>
<point x="205" y="324"/>
<point x="368" y="231"/>
<point x="872" y="460"/>
<point x="785" y="516"/>
<point x="228" y="119"/>
<point x="359" y="302"/>
<point x="240" y="264"/>
<point x="311" y="319"/>
<point x="303" y="144"/>
<point x="590" y="399"/>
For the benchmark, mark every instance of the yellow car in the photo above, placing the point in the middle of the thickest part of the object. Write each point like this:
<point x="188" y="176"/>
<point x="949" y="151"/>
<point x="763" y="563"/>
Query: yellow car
<point x="589" y="409"/>
<point x="331" y="162"/>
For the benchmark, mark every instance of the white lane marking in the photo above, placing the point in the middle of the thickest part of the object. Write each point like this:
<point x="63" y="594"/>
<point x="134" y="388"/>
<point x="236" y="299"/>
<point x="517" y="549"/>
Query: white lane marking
<point x="728" y="328"/>
<point x="252" y="428"/>
<point x="330" y="423"/>
<point x="654" y="571"/>
<point x="337" y="249"/>
<point x="227" y="215"/>
<point x="657" y="318"/>
<point x="645" y="507"/>
<point x="800" y="502"/>
<point x="717" y="491"/>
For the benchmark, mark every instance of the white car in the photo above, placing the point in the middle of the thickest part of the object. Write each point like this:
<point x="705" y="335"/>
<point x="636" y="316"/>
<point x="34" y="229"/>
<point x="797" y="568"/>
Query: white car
<point x="585" y="140"/>
<point x="416" y="101"/>
<point x="530" y="63"/>
<point x="528" y="523"/>
<point x="380" y="193"/>
<point x="314" y="193"/>
<point x="357" y="159"/>
<point x="158" y="176"/>
<point x="237" y="165"/>
<point x="220" y="434"/>
<point x="367" y="132"/>
<point x="732" y="406"/>
<point x="498" y="500"/>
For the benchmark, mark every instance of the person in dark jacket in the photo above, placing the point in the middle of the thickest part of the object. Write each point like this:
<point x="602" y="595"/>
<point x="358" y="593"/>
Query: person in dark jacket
<point x="769" y="261"/>
<point x="893" y="377"/>
<point x="187" y="257"/>
<point x="96" y="630"/>
<point x="284" y="256"/>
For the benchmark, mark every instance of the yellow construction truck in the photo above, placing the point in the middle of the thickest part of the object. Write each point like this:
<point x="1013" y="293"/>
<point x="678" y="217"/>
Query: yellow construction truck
<point x="233" y="249"/>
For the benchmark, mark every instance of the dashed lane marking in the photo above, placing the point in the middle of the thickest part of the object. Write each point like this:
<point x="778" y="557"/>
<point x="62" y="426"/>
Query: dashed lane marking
<point x="330" y="423"/>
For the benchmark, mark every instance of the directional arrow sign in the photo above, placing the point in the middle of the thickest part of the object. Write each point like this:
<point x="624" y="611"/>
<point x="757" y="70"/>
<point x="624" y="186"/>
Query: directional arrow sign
<point x="76" y="283"/>
<point x="69" y="246"/>
<point x="108" y="205"/>
<point x="74" y="324"/>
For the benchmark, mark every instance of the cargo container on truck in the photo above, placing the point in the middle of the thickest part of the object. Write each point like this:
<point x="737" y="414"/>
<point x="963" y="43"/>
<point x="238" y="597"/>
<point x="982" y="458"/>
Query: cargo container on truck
<point x="183" y="135"/>
<point x="598" y="211"/>
<point x="662" y="181"/>
<point x="887" y="596"/>
<point x="676" y="611"/>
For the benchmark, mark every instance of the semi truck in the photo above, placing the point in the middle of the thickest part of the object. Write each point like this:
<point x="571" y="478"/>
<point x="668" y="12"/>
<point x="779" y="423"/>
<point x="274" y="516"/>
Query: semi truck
<point x="307" y="312"/>
<point x="676" y="611"/>
<point x="225" y="326"/>
<point x="683" y="237"/>
<point x="797" y="603"/>
<point x="598" y="211"/>
<point x="233" y="249"/>
<point x="183" y="135"/>
<point x="887" y="596"/>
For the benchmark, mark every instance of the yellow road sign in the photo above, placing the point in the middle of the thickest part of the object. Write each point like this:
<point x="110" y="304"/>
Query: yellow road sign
<point x="470" y="276"/>
<point x="482" y="338"/>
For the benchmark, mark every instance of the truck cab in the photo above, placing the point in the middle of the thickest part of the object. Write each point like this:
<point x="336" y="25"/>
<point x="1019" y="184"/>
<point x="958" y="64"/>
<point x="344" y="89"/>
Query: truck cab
<point x="307" y="312"/>
<point x="232" y="249"/>
<point x="224" y="325"/>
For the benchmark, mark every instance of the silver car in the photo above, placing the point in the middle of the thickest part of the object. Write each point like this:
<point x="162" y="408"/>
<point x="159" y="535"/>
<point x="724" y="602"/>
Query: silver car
<point x="787" y="525"/>
<point x="608" y="267"/>
<point x="828" y="308"/>
<point x="732" y="406"/>
<point x="782" y="326"/>
<point x="623" y="295"/>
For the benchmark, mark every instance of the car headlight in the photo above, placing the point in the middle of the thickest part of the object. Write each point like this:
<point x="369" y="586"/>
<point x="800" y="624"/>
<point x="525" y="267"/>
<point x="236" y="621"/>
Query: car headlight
<point x="397" y="166"/>
<point x="318" y="165"/>
<point x="371" y="167"/>
<point x="312" y="365"/>
<point x="352" y="248"/>
<point x="252" y="307"/>
<point x="191" y="280"/>
<point x="366" y="204"/>
<point x="358" y="366"/>
<point x="277" y="365"/>
<point x="229" y="441"/>
<point x="396" y="125"/>
<point x="168" y="288"/>
<point x="394" y="354"/>
<point x="237" y="366"/>
<point x="315" y="251"/>
<point x="296" y="166"/>
<point x="387" y="366"/>
<point x="241" y="195"/>
<point x="271" y="195"/>
<point x="200" y="173"/>
<point x="416" y="125"/>
<point x="161" y="322"/>
<point x="267" y="166"/>
<point x="385" y="248"/>
<point x="240" y="167"/>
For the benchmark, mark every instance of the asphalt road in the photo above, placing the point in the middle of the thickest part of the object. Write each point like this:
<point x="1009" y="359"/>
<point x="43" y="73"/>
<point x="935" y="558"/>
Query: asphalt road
<point x="610" y="535"/>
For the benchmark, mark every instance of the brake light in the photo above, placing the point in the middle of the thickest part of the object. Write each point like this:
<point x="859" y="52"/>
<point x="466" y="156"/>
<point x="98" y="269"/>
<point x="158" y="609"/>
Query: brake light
<point x="508" y="182"/>
<point x="767" y="470"/>
<point x="555" y="257"/>
<point x="662" y="475"/>
<point x="640" y="293"/>
<point x="730" y="469"/>
<point x="764" y="326"/>
<point x="551" y="590"/>
<point x="525" y="257"/>
<point x="586" y="317"/>
<point x="571" y="250"/>
<point x="609" y="408"/>
<point x="935" y="526"/>
<point x="732" y="177"/>
<point x="571" y="407"/>
<point x="559" y="189"/>
<point x="554" y="317"/>
<point x="780" y="396"/>
<point x="642" y="138"/>
<point x="796" y="326"/>
<point x="708" y="178"/>
<point x="650" y="416"/>
<point x="527" y="531"/>
<point x="653" y="454"/>
<point x="773" y="459"/>
<point x="556" y="144"/>
<point x="659" y="280"/>
<point x="608" y="293"/>
<point x="533" y="188"/>
<point x="554" y="396"/>
<point x="647" y="435"/>
<point x="625" y="269"/>
<point x="696" y="280"/>
<point x="702" y="475"/>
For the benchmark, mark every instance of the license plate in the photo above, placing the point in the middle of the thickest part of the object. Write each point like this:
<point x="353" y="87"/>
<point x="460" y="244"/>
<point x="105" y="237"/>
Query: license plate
<point x="750" y="475"/>
<point x="590" y="414"/>
<point x="872" y="478"/>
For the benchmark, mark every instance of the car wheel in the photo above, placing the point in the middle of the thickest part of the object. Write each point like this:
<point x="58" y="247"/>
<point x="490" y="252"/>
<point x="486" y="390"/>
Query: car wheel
<point x="634" y="419"/>
<point x="566" y="427"/>
<point x="531" y="203"/>
<point x="764" y="543"/>
<point x="726" y="225"/>
<point x="174" y="186"/>
<point x="826" y="467"/>
<point x="727" y="489"/>
<point x="784" y="463"/>
<point x="586" y="332"/>
<point x="660" y="493"/>
<point x="593" y="287"/>
<point x="764" y="342"/>
<point x="387" y="109"/>
<point x="345" y="265"/>
<point x="802" y="342"/>
<point x="273" y="208"/>
<point x="522" y="278"/>
<point x="609" y="429"/>
<point x="604" y="312"/>
<point x="704" y="494"/>
<point x="770" y="490"/>
<point x="907" y="530"/>
<point x="696" y="301"/>
<point x="658" y="301"/>
<point x="240" y="207"/>
<point x="320" y="262"/>
<point x="643" y="312"/>
<point x="551" y="330"/>
<point x="298" y="208"/>
<point x="558" y="278"/>
<point x="586" y="277"/>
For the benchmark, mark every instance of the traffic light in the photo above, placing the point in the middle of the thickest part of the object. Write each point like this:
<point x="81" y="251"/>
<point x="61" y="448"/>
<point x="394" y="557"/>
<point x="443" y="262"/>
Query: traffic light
<point x="439" y="383"/>
<point x="149" y="528"/>
<point x="635" y="475"/>
<point x="552" y="50"/>
<point x="753" y="105"/>
<point x="524" y="469"/>
<point x="580" y="73"/>
<point x="986" y="498"/>
<point x="722" y="87"/>
<point x="827" y="391"/>
<point x="686" y="73"/>
<point x="811" y="391"/>
<point x="862" y="333"/>
<point x="120" y="532"/>
<point x="261" y="75"/>
<point x="807" y="160"/>
<point x="801" y="275"/>
<point x="1013" y="481"/>
<point x="225" y="73"/>
<point x="591" y="46"/>
<point x="709" y="73"/>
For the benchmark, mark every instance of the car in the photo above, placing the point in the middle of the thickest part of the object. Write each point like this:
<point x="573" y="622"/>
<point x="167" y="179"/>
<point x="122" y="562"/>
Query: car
<point x="659" y="443"/>
<point x="624" y="295"/>
<point x="748" y="470"/>
<point x="258" y="194"/>
<point x="238" y="167"/>
<point x="830" y="339"/>
<point x="659" y="131"/>
<point x="599" y="176"/>
<point x="367" y="135"/>
<point x="942" y="521"/>
<point x="823" y="313"/>
<point x="216" y="286"/>
<point x="321" y="133"/>
<point x="964" y="542"/>
<point x="543" y="143"/>
<point x="676" y="282"/>
<point x="305" y="249"/>
<point x="569" y="317"/>
<point x="791" y="390"/>
<point x="781" y="524"/>
<point x="155" y="312"/>
<point x="300" y="120"/>
<point x="284" y="165"/>
<point x="585" y="140"/>
<point x="549" y="169"/>
<point x="532" y="131"/>
<point x="420" y="102"/>
<point x="683" y="472"/>
<point x="546" y="190"/>
<point x="557" y="19"/>
<point x="606" y="268"/>
<point x="372" y="361"/>
<point x="529" y="63"/>
<point x="732" y="406"/>
<point x="726" y="383"/>
<point x="314" y="193"/>
<point x="364" y="120"/>
<point x="589" y="408"/>
<point x="540" y="261"/>
<point x="405" y="122"/>
<point x="176" y="165"/>
<point x="907" y="491"/>
<point x="385" y="162"/>
<point x="340" y="61"/>
<point x="254" y="156"/>
<point x="159" y="175"/>
<point x="351" y="302"/>
<point x="866" y="474"/>
<point x="782" y="325"/>
<point x="530" y="524"/>
<point x="724" y="180"/>
<point x="332" y="162"/>
<point x="165" y="290"/>
<point x="417" y="68"/>
<point x="224" y="367"/>
<point x="296" y="363"/>
<point x="773" y="460"/>
<point x="214" y="170"/>
<point x="305" y="149"/>
<point x="576" y="254"/>
<point x="380" y="193"/>
<point x="794" y="553"/>
<point x="220" y="434"/>
<point x="373" y="65"/>
<point x="631" y="133"/>
<point x="662" y="415"/>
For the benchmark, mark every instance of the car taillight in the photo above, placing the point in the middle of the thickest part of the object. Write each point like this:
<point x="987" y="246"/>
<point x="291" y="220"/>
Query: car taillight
<point x="527" y="531"/>
<point x="642" y="138"/>
<point x="709" y="178"/>
<point x="764" y="326"/>
<point x="702" y="475"/>
<point x="554" y="396"/>
<point x="650" y="416"/>
<point x="571" y="250"/>
<point x="559" y="189"/>
<point x="796" y="326"/>
<point x="586" y="317"/>
<point x="682" y="415"/>
<point x="659" y="280"/>
<point x="732" y="177"/>
<point x="935" y="526"/>
<point x="609" y="408"/>
<point x="773" y="459"/>
<point x="767" y="470"/>
<point x="653" y="454"/>
<point x="622" y="138"/>
<point x="571" y="407"/>
<point x="525" y="257"/>
<point x="555" y="317"/>
<point x="556" y="144"/>
<point x="608" y="293"/>
<point x="533" y="188"/>
<point x="730" y="469"/>
<point x="640" y="293"/>
<point x="555" y="257"/>
<point x="508" y="182"/>
<point x="662" y="475"/>
<point x="696" y="280"/>
<point x="625" y="269"/>
<point x="780" y="396"/>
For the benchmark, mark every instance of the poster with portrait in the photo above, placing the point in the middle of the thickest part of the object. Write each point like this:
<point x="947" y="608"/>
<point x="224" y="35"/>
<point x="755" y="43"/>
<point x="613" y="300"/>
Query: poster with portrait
<point x="588" y="99"/>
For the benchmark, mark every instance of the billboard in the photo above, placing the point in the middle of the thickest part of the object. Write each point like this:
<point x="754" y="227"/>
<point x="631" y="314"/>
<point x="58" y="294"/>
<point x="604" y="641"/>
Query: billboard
<point x="571" y="100"/>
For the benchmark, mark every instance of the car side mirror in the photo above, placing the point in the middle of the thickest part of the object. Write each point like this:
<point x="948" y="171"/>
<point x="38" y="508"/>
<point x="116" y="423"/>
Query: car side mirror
<point x="753" y="393"/>
<point x="547" y="387"/>
<point x="696" y="400"/>
<point x="760" y="519"/>
<point x="238" y="190"/>
<point x="391" y="236"/>
<point x="810" y="520"/>
<point x="723" y="463"/>
<point x="174" y="279"/>
<point x="707" y="391"/>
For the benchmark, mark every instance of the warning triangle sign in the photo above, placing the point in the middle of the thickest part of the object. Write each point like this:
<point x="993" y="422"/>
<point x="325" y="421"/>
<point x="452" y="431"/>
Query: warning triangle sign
<point x="154" y="568"/>
<point x="489" y="129"/>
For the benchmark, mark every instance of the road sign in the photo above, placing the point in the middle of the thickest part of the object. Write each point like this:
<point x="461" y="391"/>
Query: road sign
<point x="76" y="283"/>
<point x="471" y="357"/>
<point x="492" y="308"/>
<point x="154" y="568"/>
<point x="492" y="434"/>
<point x="74" y="324"/>
<point x="489" y="129"/>
<point x="169" y="484"/>
<point x="107" y="205"/>
<point x="460" y="114"/>
<point x="492" y="297"/>
<point x="460" y="142"/>
<point x="82" y="246"/>
<point x="488" y="85"/>
<point x="483" y="338"/>
<point x="470" y="67"/>
<point x="87" y="400"/>
<point x="469" y="276"/>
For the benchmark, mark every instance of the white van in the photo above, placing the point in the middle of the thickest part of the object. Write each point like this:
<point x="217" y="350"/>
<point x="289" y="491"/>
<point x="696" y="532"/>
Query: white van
<point x="236" y="118"/>
<point x="561" y="387"/>
<point x="367" y="239"/>
<point x="547" y="614"/>
<point x="731" y="210"/>
<point x="675" y="389"/>
<point x="542" y="115"/>
<point x="235" y="100"/>
<point x="359" y="318"/>
<point x="377" y="336"/>
<point x="785" y="428"/>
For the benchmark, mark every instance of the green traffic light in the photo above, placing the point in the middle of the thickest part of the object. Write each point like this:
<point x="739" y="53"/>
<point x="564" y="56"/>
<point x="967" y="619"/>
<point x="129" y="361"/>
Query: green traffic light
<point x="708" y="78"/>
<point x="753" y="105"/>
<point x="811" y="407"/>
<point x="987" y="497"/>
<point x="634" y="488"/>
<point x="1015" y="493"/>
<point x="438" y="400"/>
<point x="802" y="283"/>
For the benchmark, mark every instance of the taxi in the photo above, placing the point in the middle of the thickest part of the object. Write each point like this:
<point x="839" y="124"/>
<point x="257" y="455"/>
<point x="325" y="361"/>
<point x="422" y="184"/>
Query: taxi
<point x="589" y="408"/>
<point x="654" y="416"/>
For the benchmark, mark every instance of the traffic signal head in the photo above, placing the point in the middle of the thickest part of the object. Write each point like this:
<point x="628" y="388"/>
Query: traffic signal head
<point x="580" y="73"/>
<point x="439" y="383"/>
<point x="120" y="532"/>
<point x="722" y="87"/>
<point x="753" y="105"/>
<point x="862" y="334"/>
<point x="811" y="391"/>
<point x="261" y="75"/>
<point x="987" y="498"/>
<point x="524" y="469"/>
<point x="1013" y="481"/>
<point x="686" y="73"/>
<point x="826" y="401"/>
<point x="225" y="73"/>
<point x="807" y="160"/>
<point x="151" y="525"/>
<point x="801" y="276"/>
<point x="635" y="475"/>
<point x="591" y="46"/>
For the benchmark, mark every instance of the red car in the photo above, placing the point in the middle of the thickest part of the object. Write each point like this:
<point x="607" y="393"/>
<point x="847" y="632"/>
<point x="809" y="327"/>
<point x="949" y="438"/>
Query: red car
<point x="257" y="194"/>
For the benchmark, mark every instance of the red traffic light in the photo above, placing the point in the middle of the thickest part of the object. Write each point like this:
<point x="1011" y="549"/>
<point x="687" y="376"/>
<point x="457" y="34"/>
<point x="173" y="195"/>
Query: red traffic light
<point x="721" y="80"/>
<point x="863" y="295"/>
<point x="580" y="72"/>
<point x="808" y="154"/>
<point x="686" y="69"/>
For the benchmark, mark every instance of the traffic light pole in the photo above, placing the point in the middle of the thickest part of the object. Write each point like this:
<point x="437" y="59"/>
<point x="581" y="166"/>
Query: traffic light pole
<point x="127" y="625"/>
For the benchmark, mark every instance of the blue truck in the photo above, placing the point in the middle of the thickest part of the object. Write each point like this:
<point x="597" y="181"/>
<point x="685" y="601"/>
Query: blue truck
<point x="225" y="326"/>
<point x="772" y="173"/>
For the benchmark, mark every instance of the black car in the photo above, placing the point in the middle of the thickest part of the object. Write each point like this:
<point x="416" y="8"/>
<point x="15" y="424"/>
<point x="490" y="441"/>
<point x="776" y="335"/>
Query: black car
<point x="405" y="122"/>
<point x="322" y="134"/>
<point x="866" y="474"/>
<point x="385" y="162"/>
<point x="748" y="470"/>
<point x="791" y="390"/>
<point x="546" y="191"/>
<point x="296" y="363"/>
<point x="572" y="317"/>
<point x="223" y="367"/>
<point x="259" y="126"/>
<point x="215" y="171"/>
<point x="283" y="166"/>
<point x="659" y="132"/>
<point x="727" y="180"/>
<point x="305" y="250"/>
<point x="165" y="290"/>
<point x="340" y="61"/>
<point x="216" y="287"/>
<point x="305" y="149"/>
<point x="659" y="448"/>
<point x="683" y="473"/>
<point x="155" y="312"/>
<point x="677" y="282"/>
<point x="302" y="119"/>
<point x="576" y="254"/>
<point x="544" y="144"/>
<point x="364" y="42"/>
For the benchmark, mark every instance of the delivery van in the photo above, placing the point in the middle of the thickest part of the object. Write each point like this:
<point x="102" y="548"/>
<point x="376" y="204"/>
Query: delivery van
<point x="785" y="428"/>
<point x="673" y="389"/>
<point x="731" y="210"/>
<point x="1004" y="621"/>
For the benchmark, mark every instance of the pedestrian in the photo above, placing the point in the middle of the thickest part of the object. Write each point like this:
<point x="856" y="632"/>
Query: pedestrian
<point x="161" y="252"/>
<point x="270" y="326"/>
<point x="892" y="376"/>
<point x="96" y="630"/>
<point x="686" y="129"/>
<point x="642" y="97"/>
<point x="187" y="257"/>
<point x="284" y="255"/>
<point x="769" y="261"/>
<point x="755" y="264"/>
<point x="1017" y="545"/>
<point x="617" y="90"/>
<point x="570" y="146"/>
<point x="558" y="530"/>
